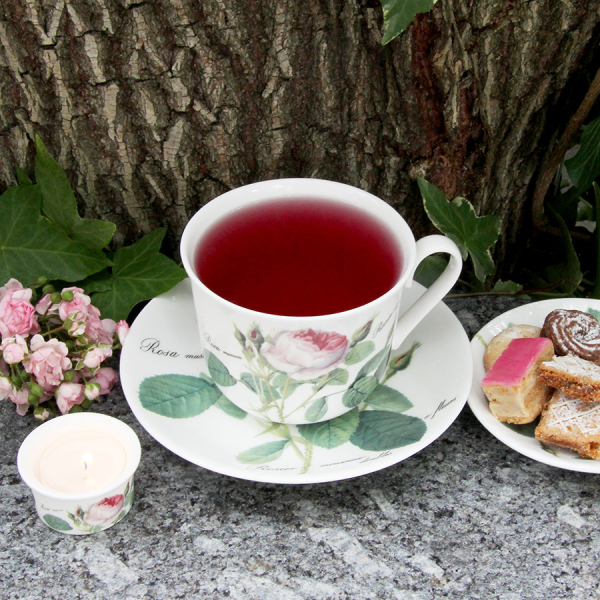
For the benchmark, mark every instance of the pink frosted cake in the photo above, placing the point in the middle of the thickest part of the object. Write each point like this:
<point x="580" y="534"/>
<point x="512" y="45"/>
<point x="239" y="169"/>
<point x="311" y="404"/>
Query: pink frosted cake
<point x="512" y="386"/>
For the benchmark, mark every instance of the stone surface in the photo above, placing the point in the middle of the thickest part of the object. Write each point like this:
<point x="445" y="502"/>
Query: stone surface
<point x="467" y="517"/>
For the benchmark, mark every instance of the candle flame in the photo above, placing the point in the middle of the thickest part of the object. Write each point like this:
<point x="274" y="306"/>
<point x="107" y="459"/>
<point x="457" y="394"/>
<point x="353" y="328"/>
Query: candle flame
<point x="87" y="458"/>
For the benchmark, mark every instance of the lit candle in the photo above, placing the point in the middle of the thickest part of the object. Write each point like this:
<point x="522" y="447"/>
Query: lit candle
<point x="80" y="469"/>
<point x="81" y="461"/>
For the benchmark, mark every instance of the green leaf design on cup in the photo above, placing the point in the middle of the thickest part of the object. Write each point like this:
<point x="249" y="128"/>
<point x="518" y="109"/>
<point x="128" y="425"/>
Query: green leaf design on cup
<point x="56" y="523"/>
<point x="359" y="352"/>
<point x="380" y="430"/>
<point x="177" y="396"/>
<point x="332" y="433"/>
<point x="218" y="371"/>
<point x="374" y="363"/>
<point x="360" y="389"/>
<point x="317" y="410"/>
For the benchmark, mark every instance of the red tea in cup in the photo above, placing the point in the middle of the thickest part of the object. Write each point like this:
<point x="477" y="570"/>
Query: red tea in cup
<point x="299" y="257"/>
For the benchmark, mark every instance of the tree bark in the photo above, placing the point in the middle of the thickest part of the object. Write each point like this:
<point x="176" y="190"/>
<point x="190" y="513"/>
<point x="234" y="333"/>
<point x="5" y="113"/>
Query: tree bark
<point x="154" y="108"/>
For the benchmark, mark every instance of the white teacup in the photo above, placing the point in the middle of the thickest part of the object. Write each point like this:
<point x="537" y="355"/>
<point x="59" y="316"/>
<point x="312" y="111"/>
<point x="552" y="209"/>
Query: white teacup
<point x="266" y="363"/>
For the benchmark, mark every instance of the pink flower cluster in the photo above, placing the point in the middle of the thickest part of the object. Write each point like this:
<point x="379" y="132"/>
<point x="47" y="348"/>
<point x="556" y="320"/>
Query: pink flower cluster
<point x="52" y="352"/>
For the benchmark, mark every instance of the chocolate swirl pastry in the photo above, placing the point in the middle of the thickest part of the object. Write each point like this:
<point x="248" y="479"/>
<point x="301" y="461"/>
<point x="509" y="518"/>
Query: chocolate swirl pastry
<point x="573" y="332"/>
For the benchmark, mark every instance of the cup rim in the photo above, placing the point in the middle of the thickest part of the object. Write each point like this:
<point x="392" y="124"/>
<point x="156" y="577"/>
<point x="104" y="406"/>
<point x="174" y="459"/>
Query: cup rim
<point x="25" y="454"/>
<point x="317" y="185"/>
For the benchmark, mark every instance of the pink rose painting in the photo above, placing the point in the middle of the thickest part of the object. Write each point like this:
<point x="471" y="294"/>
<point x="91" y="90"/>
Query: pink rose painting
<point x="306" y="354"/>
<point x="104" y="511"/>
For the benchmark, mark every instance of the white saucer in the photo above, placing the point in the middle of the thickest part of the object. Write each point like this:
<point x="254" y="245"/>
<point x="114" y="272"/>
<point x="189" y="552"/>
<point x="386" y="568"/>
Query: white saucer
<point x="162" y="370"/>
<point x="520" y="437"/>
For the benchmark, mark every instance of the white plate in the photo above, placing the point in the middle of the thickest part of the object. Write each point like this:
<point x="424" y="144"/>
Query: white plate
<point x="520" y="437"/>
<point x="161" y="354"/>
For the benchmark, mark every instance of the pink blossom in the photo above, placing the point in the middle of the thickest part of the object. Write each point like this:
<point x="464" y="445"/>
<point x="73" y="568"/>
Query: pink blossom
<point x="17" y="314"/>
<point x="99" y="330"/>
<point x="67" y="395"/>
<point x="306" y="354"/>
<point x="11" y="284"/>
<point x="76" y="309"/>
<point x="6" y="387"/>
<point x="122" y="331"/>
<point x="92" y="391"/>
<point x="96" y="355"/>
<point x="48" y="362"/>
<point x="105" y="511"/>
<point x="106" y="378"/>
<point x="41" y="415"/>
<point x="20" y="398"/>
<point x="14" y="349"/>
<point x="43" y="305"/>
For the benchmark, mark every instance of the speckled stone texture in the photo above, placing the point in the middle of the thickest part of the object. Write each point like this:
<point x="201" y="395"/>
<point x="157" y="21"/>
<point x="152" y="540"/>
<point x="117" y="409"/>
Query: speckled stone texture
<point x="466" y="518"/>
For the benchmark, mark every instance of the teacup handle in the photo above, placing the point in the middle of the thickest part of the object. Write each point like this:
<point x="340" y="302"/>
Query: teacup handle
<point x="425" y="247"/>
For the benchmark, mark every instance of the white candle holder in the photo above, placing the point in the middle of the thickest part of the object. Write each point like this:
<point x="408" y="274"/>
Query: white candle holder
<point x="80" y="513"/>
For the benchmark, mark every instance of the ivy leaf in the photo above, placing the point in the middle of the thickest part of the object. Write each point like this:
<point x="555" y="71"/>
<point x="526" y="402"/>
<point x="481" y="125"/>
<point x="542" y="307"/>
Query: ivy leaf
<point x="429" y="269"/>
<point x="567" y="274"/>
<point x="60" y="205"/>
<point x="31" y="246"/>
<point x="507" y="287"/>
<point x="399" y="14"/>
<point x="22" y="177"/>
<point x="139" y="273"/>
<point x="584" y="167"/>
<point x="457" y="219"/>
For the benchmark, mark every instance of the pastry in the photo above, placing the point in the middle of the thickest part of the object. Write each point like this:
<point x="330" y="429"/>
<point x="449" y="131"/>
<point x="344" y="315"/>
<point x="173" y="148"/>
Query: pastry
<point x="575" y="376"/>
<point x="573" y="332"/>
<point x="571" y="423"/>
<point x="512" y="386"/>
<point x="498" y="344"/>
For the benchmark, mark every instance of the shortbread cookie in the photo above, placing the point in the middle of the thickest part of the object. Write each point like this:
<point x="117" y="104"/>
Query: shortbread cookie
<point x="512" y="386"/>
<point x="575" y="376"/>
<point x="573" y="332"/>
<point x="571" y="423"/>
<point x="499" y="343"/>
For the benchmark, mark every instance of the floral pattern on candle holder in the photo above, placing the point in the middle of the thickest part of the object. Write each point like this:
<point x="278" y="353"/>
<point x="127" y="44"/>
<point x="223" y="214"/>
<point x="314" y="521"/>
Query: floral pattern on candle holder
<point x="97" y="516"/>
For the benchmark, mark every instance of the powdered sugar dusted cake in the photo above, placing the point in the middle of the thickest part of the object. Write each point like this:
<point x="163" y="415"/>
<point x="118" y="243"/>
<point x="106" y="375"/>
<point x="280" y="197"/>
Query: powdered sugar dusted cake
<point x="512" y="386"/>
<point x="575" y="376"/>
<point x="571" y="423"/>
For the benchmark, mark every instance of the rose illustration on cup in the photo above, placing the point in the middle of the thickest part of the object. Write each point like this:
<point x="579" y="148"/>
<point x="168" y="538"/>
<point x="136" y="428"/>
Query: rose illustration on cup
<point x="104" y="511"/>
<point x="305" y="321"/>
<point x="306" y="354"/>
<point x="289" y="372"/>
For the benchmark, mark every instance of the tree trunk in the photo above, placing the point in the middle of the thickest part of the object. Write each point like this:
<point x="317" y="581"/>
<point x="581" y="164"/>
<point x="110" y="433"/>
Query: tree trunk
<point x="154" y="108"/>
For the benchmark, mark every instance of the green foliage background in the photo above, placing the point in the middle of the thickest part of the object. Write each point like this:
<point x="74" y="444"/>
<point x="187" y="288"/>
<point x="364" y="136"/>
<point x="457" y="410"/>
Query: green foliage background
<point x="43" y="235"/>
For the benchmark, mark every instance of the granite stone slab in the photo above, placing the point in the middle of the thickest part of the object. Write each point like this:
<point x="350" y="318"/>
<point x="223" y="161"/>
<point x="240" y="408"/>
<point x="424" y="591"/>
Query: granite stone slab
<point x="467" y="517"/>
